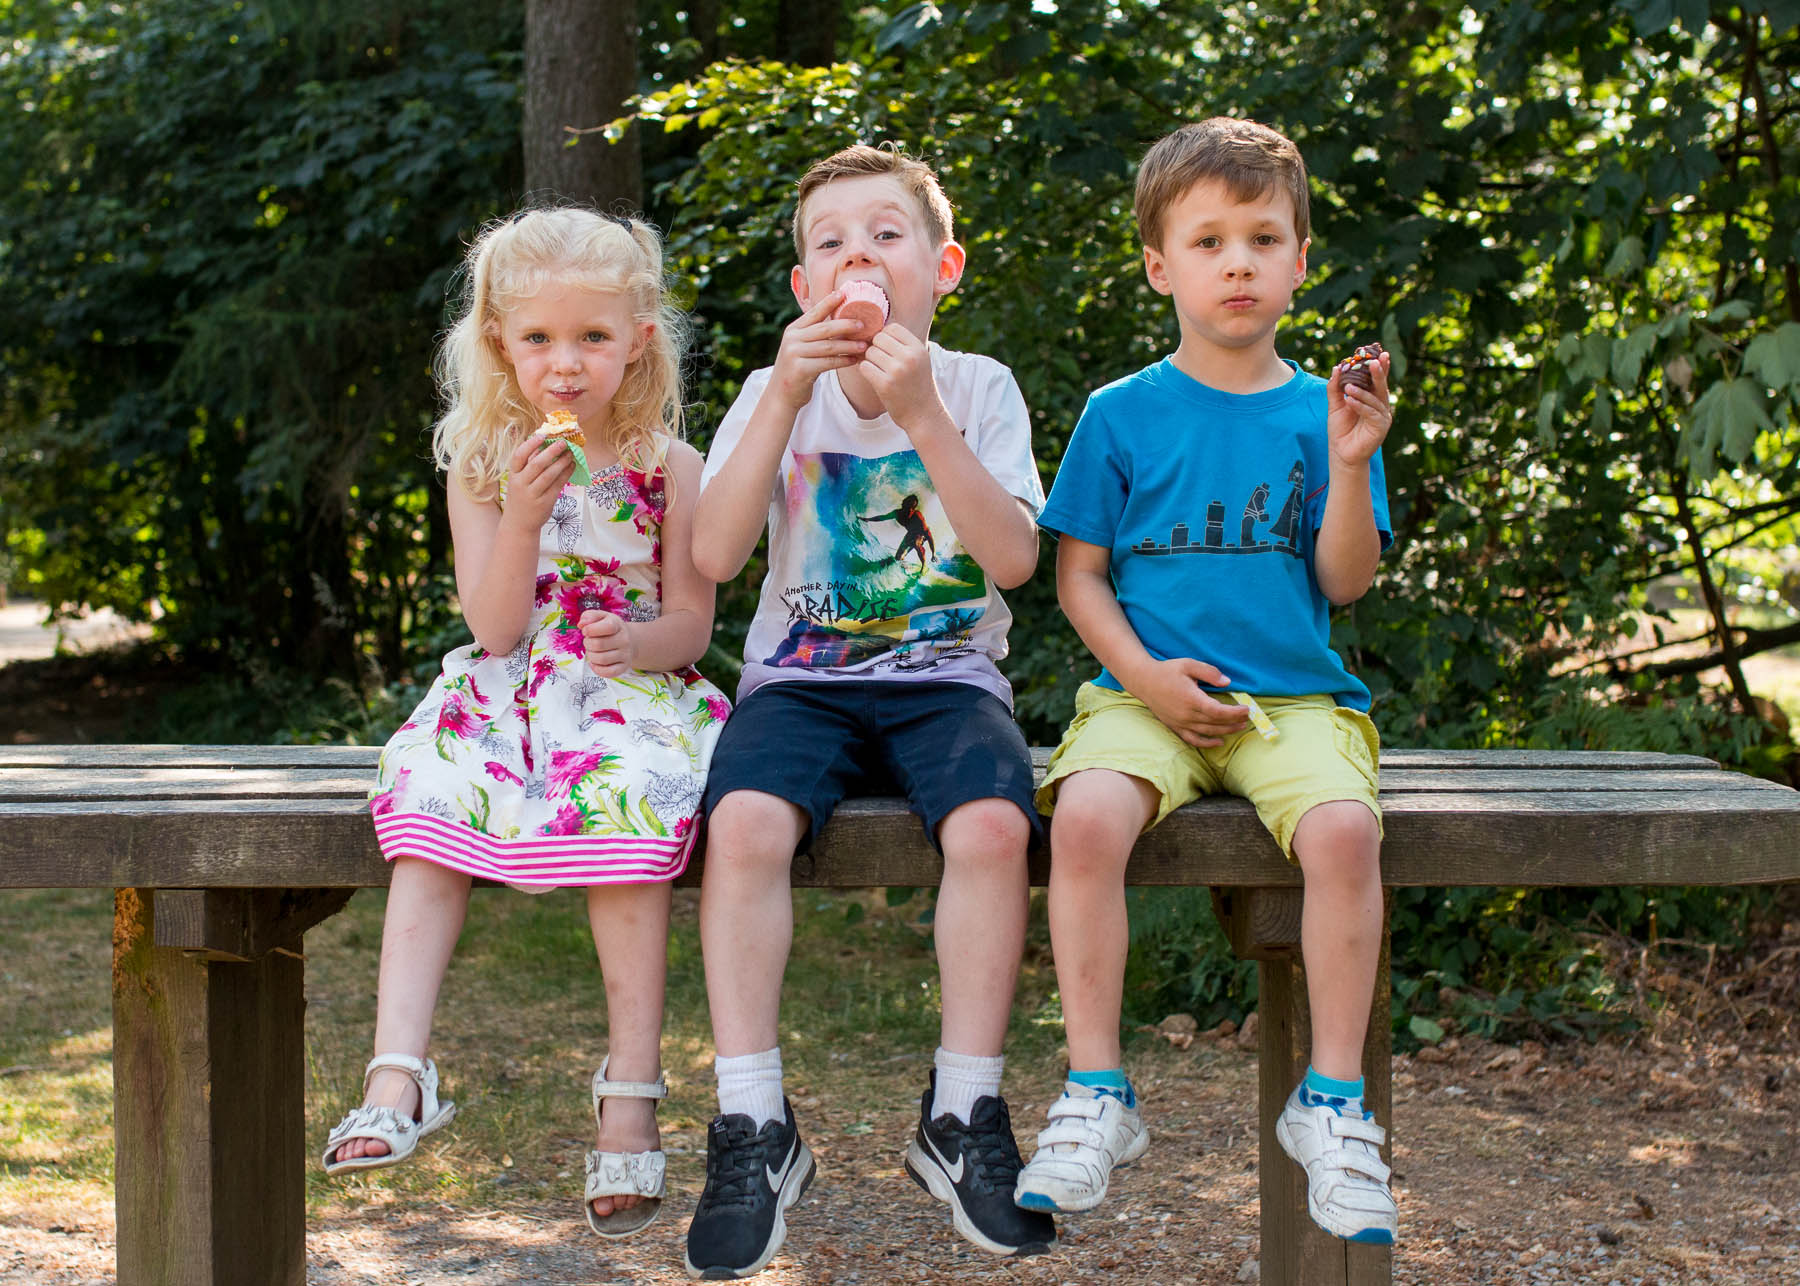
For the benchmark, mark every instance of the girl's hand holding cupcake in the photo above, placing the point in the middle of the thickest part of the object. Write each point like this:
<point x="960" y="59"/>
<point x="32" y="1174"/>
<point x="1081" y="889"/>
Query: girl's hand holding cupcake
<point x="536" y="478"/>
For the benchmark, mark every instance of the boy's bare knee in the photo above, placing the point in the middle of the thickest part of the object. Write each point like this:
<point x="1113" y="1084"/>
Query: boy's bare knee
<point x="1339" y="840"/>
<point x="750" y="830"/>
<point x="1100" y="796"/>
<point x="985" y="831"/>
<point x="1099" y="814"/>
<point x="1089" y="844"/>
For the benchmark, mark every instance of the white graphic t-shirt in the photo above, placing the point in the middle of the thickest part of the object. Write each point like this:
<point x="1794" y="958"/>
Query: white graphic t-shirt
<point x="867" y="579"/>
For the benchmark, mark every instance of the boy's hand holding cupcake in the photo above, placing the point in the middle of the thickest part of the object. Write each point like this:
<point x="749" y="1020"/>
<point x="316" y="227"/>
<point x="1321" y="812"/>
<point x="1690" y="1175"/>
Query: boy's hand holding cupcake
<point x="898" y="363"/>
<point x="818" y="340"/>
<point x="898" y="368"/>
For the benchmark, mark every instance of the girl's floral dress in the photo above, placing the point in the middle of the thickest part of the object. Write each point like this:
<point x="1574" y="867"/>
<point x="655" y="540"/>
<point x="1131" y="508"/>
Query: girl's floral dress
<point x="527" y="768"/>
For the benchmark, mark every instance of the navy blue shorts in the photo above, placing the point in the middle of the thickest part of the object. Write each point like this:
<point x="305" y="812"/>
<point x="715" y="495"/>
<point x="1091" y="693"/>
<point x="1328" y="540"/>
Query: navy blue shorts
<point x="941" y="745"/>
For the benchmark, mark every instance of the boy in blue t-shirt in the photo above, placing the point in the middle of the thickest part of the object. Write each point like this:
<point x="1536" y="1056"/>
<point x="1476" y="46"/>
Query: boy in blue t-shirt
<point x="1210" y="509"/>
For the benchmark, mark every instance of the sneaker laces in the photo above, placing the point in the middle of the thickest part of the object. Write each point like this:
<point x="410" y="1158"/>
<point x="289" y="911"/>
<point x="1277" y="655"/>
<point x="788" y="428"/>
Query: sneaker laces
<point x="988" y="1144"/>
<point x="735" y="1160"/>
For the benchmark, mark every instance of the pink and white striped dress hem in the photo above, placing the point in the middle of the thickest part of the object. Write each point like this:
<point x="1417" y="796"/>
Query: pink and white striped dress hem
<point x="558" y="861"/>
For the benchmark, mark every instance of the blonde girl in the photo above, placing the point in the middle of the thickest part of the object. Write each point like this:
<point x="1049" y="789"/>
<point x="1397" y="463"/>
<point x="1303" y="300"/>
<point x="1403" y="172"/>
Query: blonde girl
<point x="567" y="746"/>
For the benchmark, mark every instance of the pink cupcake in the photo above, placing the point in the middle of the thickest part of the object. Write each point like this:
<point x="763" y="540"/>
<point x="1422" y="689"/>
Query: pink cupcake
<point x="866" y="304"/>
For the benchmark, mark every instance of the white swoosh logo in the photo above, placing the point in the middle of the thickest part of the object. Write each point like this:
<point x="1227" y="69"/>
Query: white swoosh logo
<point x="773" y="1175"/>
<point x="954" y="1171"/>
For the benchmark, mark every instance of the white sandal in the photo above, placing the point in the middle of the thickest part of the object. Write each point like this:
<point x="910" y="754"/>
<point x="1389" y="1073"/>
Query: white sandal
<point x="400" y="1133"/>
<point x="624" y="1174"/>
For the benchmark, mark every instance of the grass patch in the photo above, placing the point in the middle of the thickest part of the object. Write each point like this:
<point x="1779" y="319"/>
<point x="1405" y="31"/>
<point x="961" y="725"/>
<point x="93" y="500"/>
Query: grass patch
<point x="56" y="1145"/>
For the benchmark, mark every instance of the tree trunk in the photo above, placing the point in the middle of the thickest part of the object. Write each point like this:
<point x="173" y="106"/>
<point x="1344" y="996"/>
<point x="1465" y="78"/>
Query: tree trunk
<point x="1709" y="590"/>
<point x="806" y="31"/>
<point x="323" y="603"/>
<point x="703" y="26"/>
<point x="580" y="67"/>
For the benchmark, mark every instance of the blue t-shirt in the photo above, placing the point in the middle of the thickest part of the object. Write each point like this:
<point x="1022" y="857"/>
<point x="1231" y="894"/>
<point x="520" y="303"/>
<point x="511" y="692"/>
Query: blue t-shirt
<point x="1209" y="504"/>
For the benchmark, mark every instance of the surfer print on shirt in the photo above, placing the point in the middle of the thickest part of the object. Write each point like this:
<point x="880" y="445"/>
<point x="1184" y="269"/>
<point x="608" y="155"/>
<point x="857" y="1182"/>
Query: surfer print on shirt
<point x="885" y="572"/>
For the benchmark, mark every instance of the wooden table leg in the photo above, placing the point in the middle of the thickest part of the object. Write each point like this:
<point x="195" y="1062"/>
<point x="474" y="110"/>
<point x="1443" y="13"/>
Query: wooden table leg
<point x="1295" y="1250"/>
<point x="1280" y="1018"/>
<point x="208" y="1089"/>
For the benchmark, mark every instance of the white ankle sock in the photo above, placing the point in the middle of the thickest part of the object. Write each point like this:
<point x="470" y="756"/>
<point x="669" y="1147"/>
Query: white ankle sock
<point x="750" y="1085"/>
<point x="963" y="1078"/>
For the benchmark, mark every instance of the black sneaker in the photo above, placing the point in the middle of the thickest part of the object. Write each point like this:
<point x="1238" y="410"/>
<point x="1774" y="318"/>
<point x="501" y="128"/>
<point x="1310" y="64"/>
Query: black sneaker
<point x="752" y="1177"/>
<point x="973" y="1168"/>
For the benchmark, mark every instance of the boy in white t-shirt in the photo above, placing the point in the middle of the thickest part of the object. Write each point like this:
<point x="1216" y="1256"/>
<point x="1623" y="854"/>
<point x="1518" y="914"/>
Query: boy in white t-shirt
<point x="898" y="487"/>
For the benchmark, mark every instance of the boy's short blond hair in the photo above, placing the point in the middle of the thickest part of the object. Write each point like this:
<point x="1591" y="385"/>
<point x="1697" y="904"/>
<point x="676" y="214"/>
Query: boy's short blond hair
<point x="1249" y="159"/>
<point x="861" y="160"/>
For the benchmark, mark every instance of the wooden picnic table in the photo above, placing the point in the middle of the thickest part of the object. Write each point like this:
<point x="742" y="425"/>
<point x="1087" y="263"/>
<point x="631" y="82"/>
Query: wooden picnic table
<point x="220" y="858"/>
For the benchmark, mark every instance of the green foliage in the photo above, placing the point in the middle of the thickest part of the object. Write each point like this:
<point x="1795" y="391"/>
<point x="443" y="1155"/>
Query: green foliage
<point x="1503" y="964"/>
<point x="1533" y="963"/>
<point x="1583" y="264"/>
<point x="253" y="703"/>
<point x="1583" y="261"/>
<point x="1180" y="961"/>
<point x="224" y="241"/>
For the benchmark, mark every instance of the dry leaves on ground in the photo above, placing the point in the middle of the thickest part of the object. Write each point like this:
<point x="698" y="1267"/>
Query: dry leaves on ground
<point x="1651" y="1164"/>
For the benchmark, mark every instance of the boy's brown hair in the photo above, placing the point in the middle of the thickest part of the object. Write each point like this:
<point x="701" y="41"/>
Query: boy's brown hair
<point x="861" y="160"/>
<point x="1249" y="159"/>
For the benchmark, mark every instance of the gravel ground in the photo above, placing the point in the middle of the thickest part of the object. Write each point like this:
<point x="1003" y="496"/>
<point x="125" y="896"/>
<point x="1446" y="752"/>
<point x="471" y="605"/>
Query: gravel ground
<point x="1654" y="1165"/>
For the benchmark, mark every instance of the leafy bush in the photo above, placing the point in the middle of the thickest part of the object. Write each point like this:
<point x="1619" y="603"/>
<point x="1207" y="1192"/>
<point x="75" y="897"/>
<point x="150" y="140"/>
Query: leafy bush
<point x="1180" y="961"/>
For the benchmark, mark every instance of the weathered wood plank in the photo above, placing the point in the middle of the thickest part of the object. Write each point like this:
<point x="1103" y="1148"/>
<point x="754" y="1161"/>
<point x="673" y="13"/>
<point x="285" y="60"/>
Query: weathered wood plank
<point x="88" y="757"/>
<point x="241" y="924"/>
<point x="1280" y="1010"/>
<point x="209" y="1112"/>
<point x="1508" y="839"/>
<point x="50" y="785"/>
<point x="228" y="832"/>
<point x="1260" y="924"/>
<point x="102" y="787"/>
<point x="1404" y="757"/>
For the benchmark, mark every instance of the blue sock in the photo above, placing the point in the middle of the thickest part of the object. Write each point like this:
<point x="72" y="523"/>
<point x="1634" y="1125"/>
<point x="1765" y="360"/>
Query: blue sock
<point x="1343" y="1097"/>
<point x="1110" y="1081"/>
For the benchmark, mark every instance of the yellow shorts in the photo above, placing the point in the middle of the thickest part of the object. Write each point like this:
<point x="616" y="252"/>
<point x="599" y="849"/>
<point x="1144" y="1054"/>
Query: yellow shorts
<point x="1325" y="753"/>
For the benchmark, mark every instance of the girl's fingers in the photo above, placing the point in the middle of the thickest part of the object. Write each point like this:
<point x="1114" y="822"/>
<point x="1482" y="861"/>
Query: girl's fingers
<point x="536" y="459"/>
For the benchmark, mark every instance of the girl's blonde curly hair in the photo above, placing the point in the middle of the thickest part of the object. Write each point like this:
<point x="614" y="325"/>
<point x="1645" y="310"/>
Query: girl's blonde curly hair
<point x="486" y="415"/>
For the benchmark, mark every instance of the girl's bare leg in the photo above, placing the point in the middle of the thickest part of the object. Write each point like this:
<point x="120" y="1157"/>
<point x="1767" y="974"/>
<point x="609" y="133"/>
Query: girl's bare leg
<point x="425" y="910"/>
<point x="631" y="938"/>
